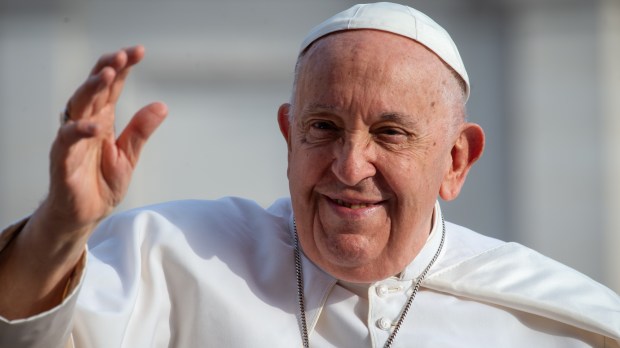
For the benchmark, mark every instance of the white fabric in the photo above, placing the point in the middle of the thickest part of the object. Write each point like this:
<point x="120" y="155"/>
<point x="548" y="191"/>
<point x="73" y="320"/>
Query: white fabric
<point x="221" y="274"/>
<point x="398" y="19"/>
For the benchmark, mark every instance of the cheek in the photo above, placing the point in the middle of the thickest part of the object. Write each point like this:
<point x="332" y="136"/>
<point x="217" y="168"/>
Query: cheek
<point x="306" y="169"/>
<point x="401" y="172"/>
<point x="413" y="177"/>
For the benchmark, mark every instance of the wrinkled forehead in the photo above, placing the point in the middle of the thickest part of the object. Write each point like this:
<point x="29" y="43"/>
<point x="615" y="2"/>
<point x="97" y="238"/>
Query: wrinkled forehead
<point x="369" y="72"/>
<point x="396" y="19"/>
<point x="368" y="44"/>
<point x="359" y="52"/>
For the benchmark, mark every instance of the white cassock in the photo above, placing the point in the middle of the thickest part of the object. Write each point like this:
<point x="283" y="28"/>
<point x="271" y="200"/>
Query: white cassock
<point x="222" y="274"/>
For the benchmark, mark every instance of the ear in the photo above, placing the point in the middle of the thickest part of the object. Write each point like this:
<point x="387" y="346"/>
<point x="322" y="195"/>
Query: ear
<point x="285" y="123"/>
<point x="466" y="150"/>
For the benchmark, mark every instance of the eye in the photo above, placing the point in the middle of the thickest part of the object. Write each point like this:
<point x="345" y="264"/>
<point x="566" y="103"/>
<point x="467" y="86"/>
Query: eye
<point x="391" y="134"/>
<point x="321" y="130"/>
<point x="323" y="125"/>
<point x="392" y="131"/>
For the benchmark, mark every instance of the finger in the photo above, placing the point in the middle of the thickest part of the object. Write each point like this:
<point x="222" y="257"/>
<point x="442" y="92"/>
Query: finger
<point x="117" y="86"/>
<point x="134" y="56"/>
<point x="116" y="60"/>
<point x="139" y="129"/>
<point x="109" y="72"/>
<point x="87" y="98"/>
<point x="120" y="59"/>
<point x="73" y="132"/>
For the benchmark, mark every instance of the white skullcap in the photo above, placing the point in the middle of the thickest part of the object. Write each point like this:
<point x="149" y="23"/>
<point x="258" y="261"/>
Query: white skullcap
<point x="397" y="19"/>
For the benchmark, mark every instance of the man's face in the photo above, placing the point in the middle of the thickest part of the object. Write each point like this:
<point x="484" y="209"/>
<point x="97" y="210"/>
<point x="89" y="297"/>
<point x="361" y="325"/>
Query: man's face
<point x="369" y="147"/>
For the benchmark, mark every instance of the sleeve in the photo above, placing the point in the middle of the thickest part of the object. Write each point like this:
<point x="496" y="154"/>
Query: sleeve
<point x="51" y="328"/>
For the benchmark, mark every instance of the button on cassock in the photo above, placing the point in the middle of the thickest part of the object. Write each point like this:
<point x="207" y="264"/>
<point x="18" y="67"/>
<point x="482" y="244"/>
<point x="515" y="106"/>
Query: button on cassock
<point x="384" y="324"/>
<point x="382" y="290"/>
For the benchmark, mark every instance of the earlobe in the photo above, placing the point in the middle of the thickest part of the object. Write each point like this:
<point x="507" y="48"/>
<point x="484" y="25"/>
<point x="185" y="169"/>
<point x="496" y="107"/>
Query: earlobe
<point x="465" y="152"/>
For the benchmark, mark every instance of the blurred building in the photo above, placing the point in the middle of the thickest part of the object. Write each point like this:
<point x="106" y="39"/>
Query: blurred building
<point x="545" y="88"/>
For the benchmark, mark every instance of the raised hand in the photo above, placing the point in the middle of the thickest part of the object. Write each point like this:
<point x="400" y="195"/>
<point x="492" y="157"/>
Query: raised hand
<point x="90" y="168"/>
<point x="90" y="171"/>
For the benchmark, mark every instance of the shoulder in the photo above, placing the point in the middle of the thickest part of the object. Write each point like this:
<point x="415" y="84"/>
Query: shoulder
<point x="517" y="277"/>
<point x="462" y="243"/>
<point x="226" y="206"/>
<point x="207" y="218"/>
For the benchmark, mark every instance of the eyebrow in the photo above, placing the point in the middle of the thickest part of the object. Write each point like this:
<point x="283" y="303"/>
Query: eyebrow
<point x="398" y="117"/>
<point x="318" y="108"/>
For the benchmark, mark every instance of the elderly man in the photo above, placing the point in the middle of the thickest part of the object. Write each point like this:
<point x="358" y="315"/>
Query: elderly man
<point x="360" y="256"/>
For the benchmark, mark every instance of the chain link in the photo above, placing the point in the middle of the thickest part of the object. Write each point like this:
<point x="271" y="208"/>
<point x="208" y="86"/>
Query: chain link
<point x="401" y="319"/>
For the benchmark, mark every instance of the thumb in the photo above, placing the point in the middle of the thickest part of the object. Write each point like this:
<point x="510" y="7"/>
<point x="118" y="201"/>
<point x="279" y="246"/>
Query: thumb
<point x="139" y="129"/>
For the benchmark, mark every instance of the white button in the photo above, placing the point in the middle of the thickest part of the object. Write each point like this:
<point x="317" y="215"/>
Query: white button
<point x="384" y="324"/>
<point x="382" y="290"/>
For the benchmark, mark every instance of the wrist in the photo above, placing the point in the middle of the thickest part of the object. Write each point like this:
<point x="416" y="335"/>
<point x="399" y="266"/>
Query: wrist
<point x="36" y="277"/>
<point x="50" y="245"/>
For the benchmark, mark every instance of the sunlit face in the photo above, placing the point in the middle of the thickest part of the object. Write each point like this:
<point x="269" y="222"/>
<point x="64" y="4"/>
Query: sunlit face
<point x="369" y="146"/>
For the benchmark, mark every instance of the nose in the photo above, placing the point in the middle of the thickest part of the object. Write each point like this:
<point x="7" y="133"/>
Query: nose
<point x="353" y="161"/>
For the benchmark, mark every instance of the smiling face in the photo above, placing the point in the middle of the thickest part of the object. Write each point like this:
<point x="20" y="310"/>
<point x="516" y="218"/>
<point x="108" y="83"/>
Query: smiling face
<point x="370" y="146"/>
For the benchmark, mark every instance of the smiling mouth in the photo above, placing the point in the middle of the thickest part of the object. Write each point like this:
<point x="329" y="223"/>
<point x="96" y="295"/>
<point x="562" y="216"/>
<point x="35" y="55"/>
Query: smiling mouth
<point x="349" y="205"/>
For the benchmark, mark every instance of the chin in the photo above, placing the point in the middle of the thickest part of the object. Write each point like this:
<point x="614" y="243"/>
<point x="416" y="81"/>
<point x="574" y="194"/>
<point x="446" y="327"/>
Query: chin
<point x="348" y="251"/>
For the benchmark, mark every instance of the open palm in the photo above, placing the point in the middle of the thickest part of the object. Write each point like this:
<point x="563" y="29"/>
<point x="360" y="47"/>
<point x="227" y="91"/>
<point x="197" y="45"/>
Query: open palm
<point x="90" y="167"/>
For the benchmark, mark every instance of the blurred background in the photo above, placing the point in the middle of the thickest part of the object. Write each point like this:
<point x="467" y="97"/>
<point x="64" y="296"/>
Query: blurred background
<point x="545" y="87"/>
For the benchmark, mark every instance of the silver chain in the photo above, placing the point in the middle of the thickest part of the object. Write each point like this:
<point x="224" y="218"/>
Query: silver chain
<point x="403" y="314"/>
<point x="300" y="289"/>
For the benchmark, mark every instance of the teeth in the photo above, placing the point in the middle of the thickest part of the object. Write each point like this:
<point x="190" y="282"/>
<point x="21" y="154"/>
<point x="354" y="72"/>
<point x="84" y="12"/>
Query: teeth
<point x="352" y="206"/>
